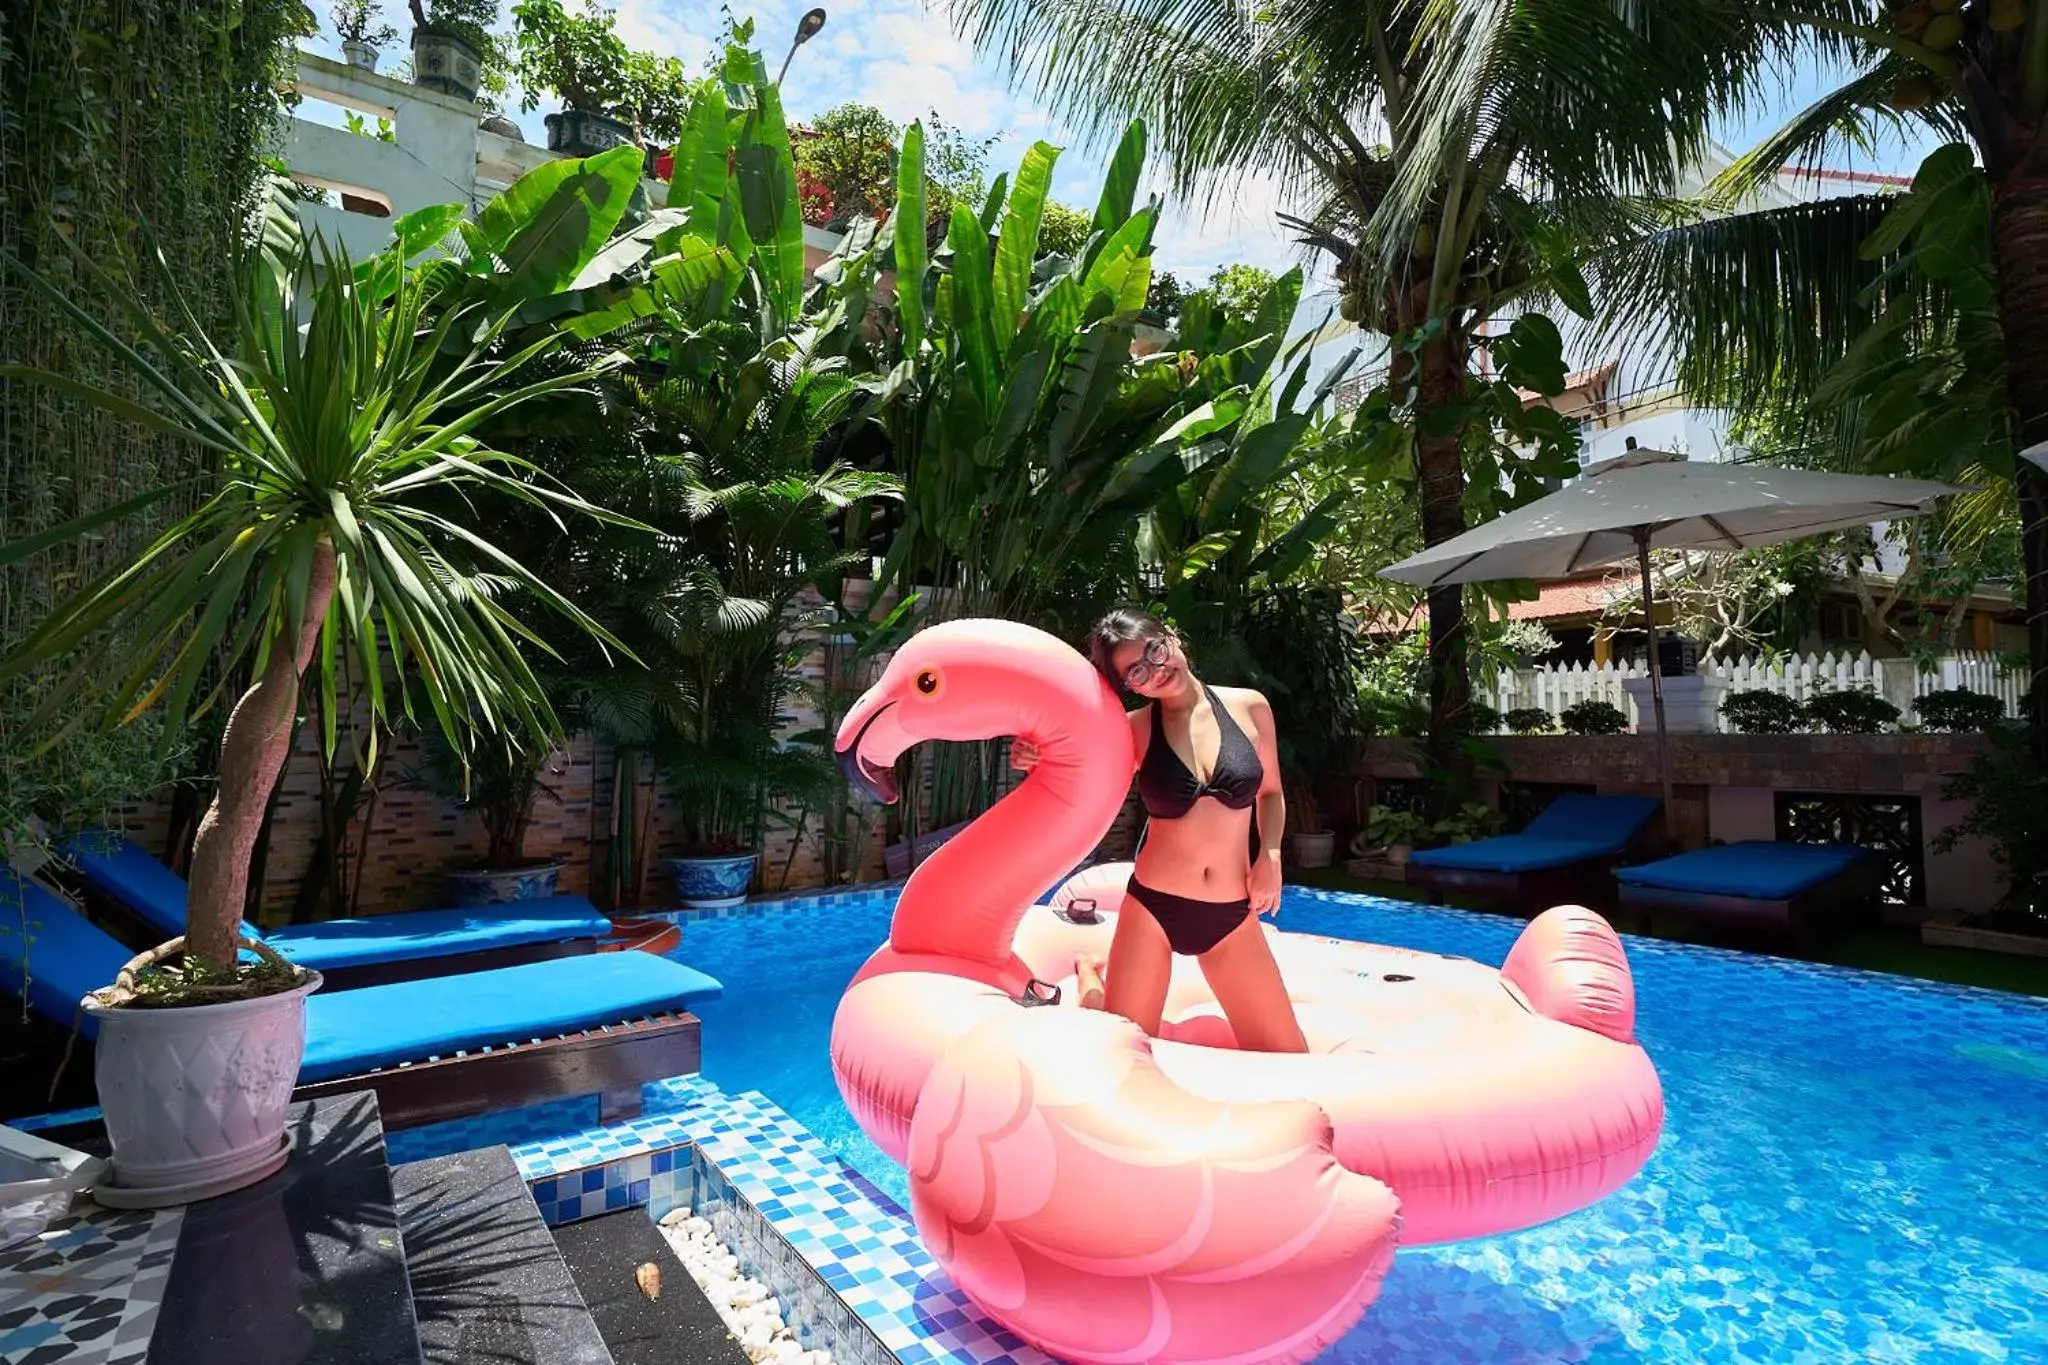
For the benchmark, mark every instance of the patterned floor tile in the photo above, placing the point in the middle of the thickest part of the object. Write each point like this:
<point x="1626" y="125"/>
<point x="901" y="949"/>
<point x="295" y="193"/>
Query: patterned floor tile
<point x="86" y="1290"/>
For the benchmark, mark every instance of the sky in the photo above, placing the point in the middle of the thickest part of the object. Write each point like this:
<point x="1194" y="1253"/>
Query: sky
<point x="905" y="60"/>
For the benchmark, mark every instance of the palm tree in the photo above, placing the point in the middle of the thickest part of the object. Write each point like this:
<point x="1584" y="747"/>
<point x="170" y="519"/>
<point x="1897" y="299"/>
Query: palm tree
<point x="1769" y="305"/>
<point x="1511" y="161"/>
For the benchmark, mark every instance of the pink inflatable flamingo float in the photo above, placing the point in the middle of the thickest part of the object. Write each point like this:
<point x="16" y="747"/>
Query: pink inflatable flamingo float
<point x="1118" y="1199"/>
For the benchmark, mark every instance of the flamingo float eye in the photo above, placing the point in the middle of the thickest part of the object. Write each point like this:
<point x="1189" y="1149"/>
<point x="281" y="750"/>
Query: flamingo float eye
<point x="927" y="683"/>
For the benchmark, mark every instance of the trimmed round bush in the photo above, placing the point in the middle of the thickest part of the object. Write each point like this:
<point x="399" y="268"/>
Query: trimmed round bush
<point x="1480" y="719"/>
<point x="1856" y="711"/>
<point x="1958" y="711"/>
<point x="1530" y="720"/>
<point x="1754" y="711"/>
<point x="1594" y="718"/>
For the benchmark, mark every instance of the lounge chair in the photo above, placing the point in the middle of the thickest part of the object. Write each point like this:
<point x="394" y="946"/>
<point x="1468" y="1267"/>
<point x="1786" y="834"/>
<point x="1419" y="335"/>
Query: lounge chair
<point x="435" y="1049"/>
<point x="1782" y="885"/>
<point x="1565" y="854"/>
<point x="122" y="883"/>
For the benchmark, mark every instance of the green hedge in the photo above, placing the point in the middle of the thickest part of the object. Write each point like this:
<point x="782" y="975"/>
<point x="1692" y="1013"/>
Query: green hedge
<point x="115" y="112"/>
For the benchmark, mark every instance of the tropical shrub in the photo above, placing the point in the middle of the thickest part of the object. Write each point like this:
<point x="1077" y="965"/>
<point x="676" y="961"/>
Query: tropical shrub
<point x="1851" y="711"/>
<point x="1754" y="711"/>
<point x="846" y="166"/>
<point x="329" y="535"/>
<point x="1479" y="718"/>
<point x="1386" y="827"/>
<point x="359" y="21"/>
<point x="582" y="59"/>
<point x="1471" y="820"/>
<point x="2006" y="793"/>
<point x="1593" y="718"/>
<point x="1958" y="710"/>
<point x="1530" y="720"/>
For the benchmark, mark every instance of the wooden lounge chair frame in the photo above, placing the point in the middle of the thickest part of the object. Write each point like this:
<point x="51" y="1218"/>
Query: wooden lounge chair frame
<point x="1798" y="913"/>
<point x="611" y="1061"/>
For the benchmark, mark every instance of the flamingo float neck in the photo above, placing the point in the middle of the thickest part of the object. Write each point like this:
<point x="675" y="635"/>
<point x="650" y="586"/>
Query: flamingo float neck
<point x="979" y="680"/>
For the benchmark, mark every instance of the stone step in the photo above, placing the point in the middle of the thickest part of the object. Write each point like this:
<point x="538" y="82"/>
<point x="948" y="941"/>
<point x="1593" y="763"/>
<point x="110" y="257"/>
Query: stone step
<point x="488" y="1282"/>
<point x="677" y="1327"/>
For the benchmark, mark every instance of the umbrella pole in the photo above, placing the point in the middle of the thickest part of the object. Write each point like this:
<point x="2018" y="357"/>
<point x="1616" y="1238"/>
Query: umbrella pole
<point x="1656" y="674"/>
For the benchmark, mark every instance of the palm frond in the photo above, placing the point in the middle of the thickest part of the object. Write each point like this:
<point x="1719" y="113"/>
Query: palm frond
<point x="1752" y="302"/>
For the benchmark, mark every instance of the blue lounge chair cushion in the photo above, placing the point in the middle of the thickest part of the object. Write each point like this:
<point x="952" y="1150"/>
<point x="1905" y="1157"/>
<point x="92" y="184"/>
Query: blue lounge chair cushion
<point x="1609" y="821"/>
<point x="1513" y="853"/>
<point x="1575" y="828"/>
<point x="413" y="934"/>
<point x="350" y="1032"/>
<point x="61" y="958"/>
<point x="1754" y="870"/>
<point x="123" y="870"/>
<point x="64" y="957"/>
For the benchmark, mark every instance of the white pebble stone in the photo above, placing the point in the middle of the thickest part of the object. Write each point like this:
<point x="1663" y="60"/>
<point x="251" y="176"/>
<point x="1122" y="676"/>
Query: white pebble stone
<point x="747" y="1306"/>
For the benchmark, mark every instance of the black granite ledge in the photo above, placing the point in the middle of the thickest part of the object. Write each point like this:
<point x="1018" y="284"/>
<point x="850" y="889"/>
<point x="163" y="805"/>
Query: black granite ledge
<point x="487" y="1280"/>
<point x="678" y="1328"/>
<point x="305" y="1268"/>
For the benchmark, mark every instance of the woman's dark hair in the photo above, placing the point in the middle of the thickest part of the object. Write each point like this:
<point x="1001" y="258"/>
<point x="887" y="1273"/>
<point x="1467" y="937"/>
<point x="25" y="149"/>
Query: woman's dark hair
<point x="1121" y="627"/>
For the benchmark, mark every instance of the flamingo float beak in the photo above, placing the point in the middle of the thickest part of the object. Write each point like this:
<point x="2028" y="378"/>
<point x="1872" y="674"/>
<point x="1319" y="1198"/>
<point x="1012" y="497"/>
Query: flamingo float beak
<point x="876" y="779"/>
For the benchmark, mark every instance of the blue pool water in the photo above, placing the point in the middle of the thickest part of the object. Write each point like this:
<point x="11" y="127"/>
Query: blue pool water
<point x="1853" y="1166"/>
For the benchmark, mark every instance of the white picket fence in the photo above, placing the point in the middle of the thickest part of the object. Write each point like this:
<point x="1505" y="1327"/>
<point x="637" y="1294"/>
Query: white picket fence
<point x="1556" y="687"/>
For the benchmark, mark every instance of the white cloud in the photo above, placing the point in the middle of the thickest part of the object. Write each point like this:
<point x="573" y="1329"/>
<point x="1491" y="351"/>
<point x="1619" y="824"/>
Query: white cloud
<point x="905" y="91"/>
<point x="658" y="26"/>
<point x="1239" y="222"/>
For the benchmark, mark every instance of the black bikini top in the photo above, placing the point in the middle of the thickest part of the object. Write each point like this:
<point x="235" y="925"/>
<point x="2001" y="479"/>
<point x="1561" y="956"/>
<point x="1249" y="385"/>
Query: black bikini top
<point x="1170" y="791"/>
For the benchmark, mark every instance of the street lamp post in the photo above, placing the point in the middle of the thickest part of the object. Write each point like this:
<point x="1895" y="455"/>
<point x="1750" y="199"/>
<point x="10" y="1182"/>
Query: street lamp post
<point x="806" y="29"/>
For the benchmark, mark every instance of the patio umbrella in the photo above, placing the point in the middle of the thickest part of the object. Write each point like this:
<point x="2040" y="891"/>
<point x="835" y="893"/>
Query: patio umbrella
<point x="1655" y="500"/>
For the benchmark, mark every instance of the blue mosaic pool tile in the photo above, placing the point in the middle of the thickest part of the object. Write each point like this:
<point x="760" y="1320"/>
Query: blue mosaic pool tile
<point x="850" y="1237"/>
<point x="540" y="1121"/>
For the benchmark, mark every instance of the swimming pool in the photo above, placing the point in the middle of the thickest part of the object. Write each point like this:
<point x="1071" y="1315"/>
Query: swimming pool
<point x="1852" y="1165"/>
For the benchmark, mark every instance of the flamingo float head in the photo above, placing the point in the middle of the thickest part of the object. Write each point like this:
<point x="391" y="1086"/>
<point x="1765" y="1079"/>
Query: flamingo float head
<point x="981" y="679"/>
<point x="975" y="680"/>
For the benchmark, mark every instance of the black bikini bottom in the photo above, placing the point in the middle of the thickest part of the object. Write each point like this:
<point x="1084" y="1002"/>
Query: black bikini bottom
<point x="1192" y="926"/>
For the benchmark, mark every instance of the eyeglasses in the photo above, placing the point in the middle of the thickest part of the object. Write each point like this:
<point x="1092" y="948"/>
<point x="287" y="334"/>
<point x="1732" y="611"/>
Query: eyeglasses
<point x="1157" y="650"/>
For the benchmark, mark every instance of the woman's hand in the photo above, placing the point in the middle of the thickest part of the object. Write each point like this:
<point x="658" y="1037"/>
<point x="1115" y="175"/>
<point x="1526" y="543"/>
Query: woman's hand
<point x="1023" y="754"/>
<point x="1262" y="887"/>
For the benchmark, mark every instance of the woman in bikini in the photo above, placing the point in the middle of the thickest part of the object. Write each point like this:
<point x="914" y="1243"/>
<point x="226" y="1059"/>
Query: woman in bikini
<point x="1206" y="765"/>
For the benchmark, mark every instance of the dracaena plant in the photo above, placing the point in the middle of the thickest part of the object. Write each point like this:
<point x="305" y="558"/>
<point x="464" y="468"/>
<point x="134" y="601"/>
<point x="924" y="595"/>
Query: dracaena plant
<point x="333" y="530"/>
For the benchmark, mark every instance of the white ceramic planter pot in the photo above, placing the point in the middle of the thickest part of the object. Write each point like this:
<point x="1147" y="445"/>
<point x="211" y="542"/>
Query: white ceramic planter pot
<point x="360" y="55"/>
<point x="195" y="1097"/>
<point x="1313" y="848"/>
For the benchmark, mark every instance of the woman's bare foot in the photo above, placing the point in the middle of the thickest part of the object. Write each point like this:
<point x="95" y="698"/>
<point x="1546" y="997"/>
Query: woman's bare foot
<point x="1088" y="981"/>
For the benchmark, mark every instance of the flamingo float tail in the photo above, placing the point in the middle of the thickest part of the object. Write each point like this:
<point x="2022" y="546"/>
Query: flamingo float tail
<point x="1109" y="1217"/>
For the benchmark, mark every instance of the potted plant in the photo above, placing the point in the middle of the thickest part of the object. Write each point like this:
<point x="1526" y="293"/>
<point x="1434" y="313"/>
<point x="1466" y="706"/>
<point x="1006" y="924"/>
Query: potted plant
<point x="452" y="46"/>
<point x="501" y="784"/>
<point x="611" y="95"/>
<point x="355" y="23"/>
<point x="1395" y="832"/>
<point x="1311" y="843"/>
<point x="1471" y="820"/>
<point x="301" y="507"/>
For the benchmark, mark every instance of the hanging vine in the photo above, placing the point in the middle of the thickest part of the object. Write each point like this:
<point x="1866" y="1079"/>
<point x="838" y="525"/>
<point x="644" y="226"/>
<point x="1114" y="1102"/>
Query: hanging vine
<point x="113" y="113"/>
